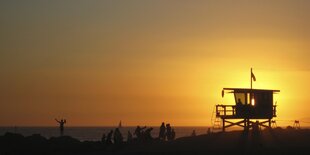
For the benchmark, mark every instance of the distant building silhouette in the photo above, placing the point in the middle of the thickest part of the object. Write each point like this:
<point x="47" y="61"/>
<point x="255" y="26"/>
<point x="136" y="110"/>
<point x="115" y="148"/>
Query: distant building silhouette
<point x="296" y="124"/>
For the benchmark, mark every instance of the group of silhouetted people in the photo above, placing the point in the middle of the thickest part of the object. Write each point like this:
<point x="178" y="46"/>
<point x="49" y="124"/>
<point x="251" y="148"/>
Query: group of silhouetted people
<point x="117" y="137"/>
<point x="166" y="132"/>
<point x="143" y="134"/>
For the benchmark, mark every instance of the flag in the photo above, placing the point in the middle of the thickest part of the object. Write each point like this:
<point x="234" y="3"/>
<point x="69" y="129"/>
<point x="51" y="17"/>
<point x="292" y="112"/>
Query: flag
<point x="253" y="76"/>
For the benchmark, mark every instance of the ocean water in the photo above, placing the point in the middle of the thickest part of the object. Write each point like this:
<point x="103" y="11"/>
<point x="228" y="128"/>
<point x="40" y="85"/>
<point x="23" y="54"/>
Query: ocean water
<point x="94" y="133"/>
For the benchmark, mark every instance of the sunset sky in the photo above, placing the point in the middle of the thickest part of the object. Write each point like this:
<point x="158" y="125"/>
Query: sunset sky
<point x="143" y="62"/>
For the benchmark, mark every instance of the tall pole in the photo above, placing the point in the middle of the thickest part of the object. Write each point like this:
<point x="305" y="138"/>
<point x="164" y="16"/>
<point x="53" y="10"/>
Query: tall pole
<point x="251" y="78"/>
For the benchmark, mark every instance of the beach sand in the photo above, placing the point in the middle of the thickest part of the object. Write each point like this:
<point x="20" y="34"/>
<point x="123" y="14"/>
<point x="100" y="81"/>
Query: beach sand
<point x="268" y="141"/>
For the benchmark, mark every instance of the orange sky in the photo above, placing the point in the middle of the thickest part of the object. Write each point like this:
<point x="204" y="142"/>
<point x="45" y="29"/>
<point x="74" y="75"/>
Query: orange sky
<point x="144" y="62"/>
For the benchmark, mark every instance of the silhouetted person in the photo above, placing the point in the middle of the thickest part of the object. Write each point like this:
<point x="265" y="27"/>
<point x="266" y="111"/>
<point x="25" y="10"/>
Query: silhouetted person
<point x="255" y="133"/>
<point x="168" y="127"/>
<point x="138" y="131"/>
<point x="118" y="137"/>
<point x="129" y="137"/>
<point x="147" y="134"/>
<point x="162" y="131"/>
<point x="209" y="131"/>
<point x="172" y="134"/>
<point x="239" y="107"/>
<point x="255" y="128"/>
<point x="61" y="123"/>
<point x="109" y="138"/>
<point x="239" y="101"/>
<point x="103" y="138"/>
<point x="193" y="133"/>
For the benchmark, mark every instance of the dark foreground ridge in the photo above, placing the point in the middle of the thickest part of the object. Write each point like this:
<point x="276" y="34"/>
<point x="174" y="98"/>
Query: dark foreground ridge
<point x="268" y="141"/>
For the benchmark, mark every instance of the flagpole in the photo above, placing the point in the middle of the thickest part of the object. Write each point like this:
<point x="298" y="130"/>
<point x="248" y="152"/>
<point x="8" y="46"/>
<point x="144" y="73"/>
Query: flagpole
<point x="251" y="78"/>
<point x="251" y="88"/>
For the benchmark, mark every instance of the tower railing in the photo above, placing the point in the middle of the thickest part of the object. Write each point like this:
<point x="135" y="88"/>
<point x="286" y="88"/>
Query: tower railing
<point x="225" y="110"/>
<point x="229" y="111"/>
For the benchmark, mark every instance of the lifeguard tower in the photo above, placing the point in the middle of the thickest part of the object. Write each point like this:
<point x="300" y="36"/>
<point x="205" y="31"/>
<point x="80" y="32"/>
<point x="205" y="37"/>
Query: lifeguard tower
<point x="249" y="104"/>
